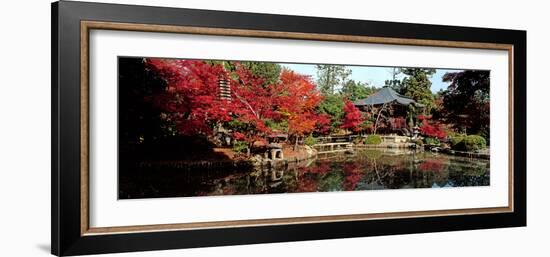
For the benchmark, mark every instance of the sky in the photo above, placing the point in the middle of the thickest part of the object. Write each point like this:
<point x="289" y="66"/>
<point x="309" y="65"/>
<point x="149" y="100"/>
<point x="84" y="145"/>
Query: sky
<point x="374" y="76"/>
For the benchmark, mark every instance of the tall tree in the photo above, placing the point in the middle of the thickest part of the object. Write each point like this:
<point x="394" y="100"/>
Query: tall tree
<point x="466" y="101"/>
<point x="417" y="85"/>
<point x="331" y="77"/>
<point x="394" y="83"/>
<point x="297" y="99"/>
<point x="268" y="71"/>
<point x="253" y="104"/>
<point x="141" y="122"/>
<point x="191" y="95"/>
<point x="191" y="98"/>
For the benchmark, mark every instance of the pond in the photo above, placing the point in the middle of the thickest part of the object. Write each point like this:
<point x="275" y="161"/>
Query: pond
<point x="362" y="170"/>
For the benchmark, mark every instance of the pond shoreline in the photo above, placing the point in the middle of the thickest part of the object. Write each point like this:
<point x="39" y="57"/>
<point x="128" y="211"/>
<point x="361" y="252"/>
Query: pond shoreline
<point x="485" y="156"/>
<point x="478" y="155"/>
<point x="308" y="153"/>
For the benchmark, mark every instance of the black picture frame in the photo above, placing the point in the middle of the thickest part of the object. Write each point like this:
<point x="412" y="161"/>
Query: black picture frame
<point x="66" y="235"/>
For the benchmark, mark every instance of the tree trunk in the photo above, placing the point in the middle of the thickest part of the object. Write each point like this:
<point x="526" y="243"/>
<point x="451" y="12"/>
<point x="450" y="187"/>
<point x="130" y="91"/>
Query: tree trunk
<point x="378" y="118"/>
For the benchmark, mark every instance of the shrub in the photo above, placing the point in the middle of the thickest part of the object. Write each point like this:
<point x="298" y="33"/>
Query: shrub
<point x="310" y="141"/>
<point x="431" y="141"/>
<point x="456" y="141"/>
<point x="240" y="146"/>
<point x="431" y="129"/>
<point x="474" y="142"/>
<point x="373" y="140"/>
<point x="468" y="143"/>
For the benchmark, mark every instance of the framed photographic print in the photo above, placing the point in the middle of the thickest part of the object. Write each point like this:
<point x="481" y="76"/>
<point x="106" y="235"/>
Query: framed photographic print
<point x="178" y="128"/>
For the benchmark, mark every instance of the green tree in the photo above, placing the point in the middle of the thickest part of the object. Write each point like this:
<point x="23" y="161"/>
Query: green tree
<point x="266" y="70"/>
<point x="330" y="77"/>
<point x="417" y="85"/>
<point x="354" y="90"/>
<point x="394" y="83"/>
<point x="333" y="105"/>
<point x="269" y="71"/>
<point x="466" y="101"/>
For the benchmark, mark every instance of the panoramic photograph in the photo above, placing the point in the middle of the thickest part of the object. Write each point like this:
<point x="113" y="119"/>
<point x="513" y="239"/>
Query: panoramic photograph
<point x="191" y="127"/>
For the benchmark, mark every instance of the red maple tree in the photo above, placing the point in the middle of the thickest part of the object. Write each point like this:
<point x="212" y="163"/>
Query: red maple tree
<point x="252" y="104"/>
<point x="431" y="129"/>
<point x="296" y="99"/>
<point x="190" y="98"/>
<point x="192" y="101"/>
<point x="323" y="124"/>
<point x="352" y="118"/>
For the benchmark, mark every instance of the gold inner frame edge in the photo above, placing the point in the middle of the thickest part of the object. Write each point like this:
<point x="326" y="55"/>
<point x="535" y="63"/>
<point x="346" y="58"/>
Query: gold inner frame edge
<point x="86" y="26"/>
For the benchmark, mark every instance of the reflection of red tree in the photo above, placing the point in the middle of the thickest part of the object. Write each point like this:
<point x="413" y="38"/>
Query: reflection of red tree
<point x="432" y="165"/>
<point x="308" y="177"/>
<point x="320" y="169"/>
<point x="353" y="175"/>
<point x="391" y="164"/>
<point x="307" y="184"/>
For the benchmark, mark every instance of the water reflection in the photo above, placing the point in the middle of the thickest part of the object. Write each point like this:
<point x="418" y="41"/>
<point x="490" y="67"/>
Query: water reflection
<point x="364" y="170"/>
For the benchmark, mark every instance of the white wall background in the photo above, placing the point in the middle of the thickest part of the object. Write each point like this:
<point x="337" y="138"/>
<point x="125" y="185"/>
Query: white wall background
<point x="25" y="127"/>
